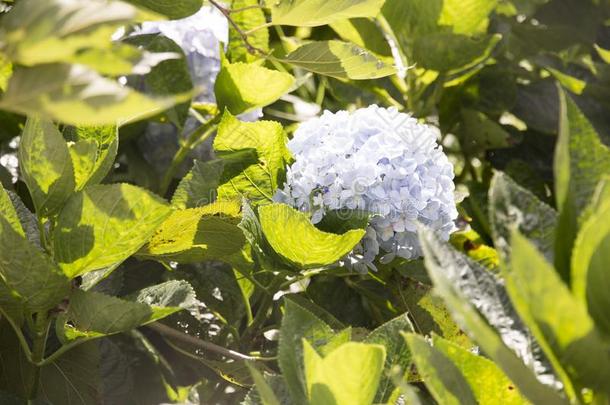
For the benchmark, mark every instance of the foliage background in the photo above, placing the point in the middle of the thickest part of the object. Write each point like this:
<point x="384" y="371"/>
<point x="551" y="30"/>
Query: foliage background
<point x="520" y="92"/>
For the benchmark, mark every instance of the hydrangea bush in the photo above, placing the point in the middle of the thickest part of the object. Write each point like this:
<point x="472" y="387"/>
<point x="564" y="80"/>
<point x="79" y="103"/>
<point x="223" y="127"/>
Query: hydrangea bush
<point x="339" y="202"/>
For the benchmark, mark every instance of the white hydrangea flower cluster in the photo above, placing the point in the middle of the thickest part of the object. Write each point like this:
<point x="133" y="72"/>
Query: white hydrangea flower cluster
<point x="376" y="160"/>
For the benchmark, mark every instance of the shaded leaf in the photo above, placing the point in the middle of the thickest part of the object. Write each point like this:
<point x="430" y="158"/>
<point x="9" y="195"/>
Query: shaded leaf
<point x="397" y="352"/>
<point x="512" y="206"/>
<point x="76" y="95"/>
<point x="581" y="161"/>
<point x="452" y="53"/>
<point x="29" y="275"/>
<point x="91" y="314"/>
<point x="46" y="166"/>
<point x="298" y="324"/>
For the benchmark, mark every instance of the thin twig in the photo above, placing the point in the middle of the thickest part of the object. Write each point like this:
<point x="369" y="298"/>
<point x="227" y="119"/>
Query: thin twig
<point x="260" y="27"/>
<point x="209" y="346"/>
<point x="244" y="37"/>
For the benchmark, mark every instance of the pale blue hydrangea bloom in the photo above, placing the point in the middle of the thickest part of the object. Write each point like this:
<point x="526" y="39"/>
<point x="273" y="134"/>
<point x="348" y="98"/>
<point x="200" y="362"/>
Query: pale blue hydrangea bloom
<point x="376" y="160"/>
<point x="200" y="37"/>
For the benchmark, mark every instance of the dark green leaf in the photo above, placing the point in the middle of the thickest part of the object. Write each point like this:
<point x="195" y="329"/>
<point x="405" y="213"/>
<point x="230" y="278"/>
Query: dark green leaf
<point x="397" y="352"/>
<point x="581" y="161"/>
<point x="512" y="206"/>
<point x="299" y="324"/>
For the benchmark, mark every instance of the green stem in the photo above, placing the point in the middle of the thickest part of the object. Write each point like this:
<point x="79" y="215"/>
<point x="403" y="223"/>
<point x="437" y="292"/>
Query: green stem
<point x="387" y="30"/>
<point x="209" y="346"/>
<point x="195" y="138"/>
<point x="253" y="30"/>
<point x="261" y="313"/>
<point x="38" y="348"/>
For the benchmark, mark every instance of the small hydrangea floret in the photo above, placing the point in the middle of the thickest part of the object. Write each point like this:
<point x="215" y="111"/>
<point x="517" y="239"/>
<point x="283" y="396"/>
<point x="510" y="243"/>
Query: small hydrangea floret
<point x="379" y="161"/>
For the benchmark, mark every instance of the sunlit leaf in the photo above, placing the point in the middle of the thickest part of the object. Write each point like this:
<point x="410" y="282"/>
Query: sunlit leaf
<point x="311" y="13"/>
<point x="103" y="225"/>
<point x="304" y="246"/>
<point x="339" y="59"/>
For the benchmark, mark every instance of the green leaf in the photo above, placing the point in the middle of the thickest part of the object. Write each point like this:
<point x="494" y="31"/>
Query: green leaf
<point x="29" y="275"/>
<point x="199" y="186"/>
<point x="9" y="213"/>
<point x="428" y="311"/>
<point x="311" y="13"/>
<point x="174" y="9"/>
<point x="242" y="87"/>
<point x="93" y="150"/>
<point x="338" y="378"/>
<point x="91" y="373"/>
<point x="46" y="166"/>
<point x="275" y="383"/>
<point x="446" y="267"/>
<point x="91" y="314"/>
<point x="74" y="94"/>
<point x="559" y="321"/>
<point x="338" y="59"/>
<point x="581" y="161"/>
<point x="466" y="16"/>
<point x="304" y="246"/>
<point x="452" y="53"/>
<point x="590" y="265"/>
<point x="364" y="33"/>
<point x="103" y="225"/>
<point x="254" y="158"/>
<point x="410" y="19"/>
<point x="299" y="324"/>
<point x="16" y="373"/>
<point x="169" y="76"/>
<point x="512" y="206"/>
<point x="198" y="234"/>
<point x="55" y="31"/>
<point x="397" y="352"/>
<point x="265" y="392"/>
<point x="442" y="377"/>
<point x="247" y="20"/>
<point x="487" y="382"/>
<point x="477" y="132"/>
